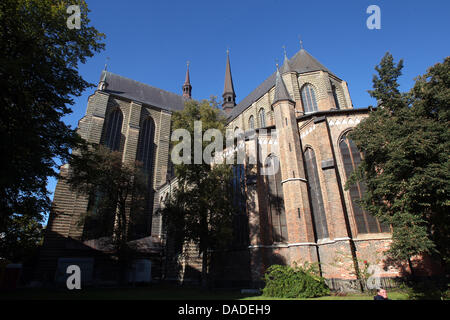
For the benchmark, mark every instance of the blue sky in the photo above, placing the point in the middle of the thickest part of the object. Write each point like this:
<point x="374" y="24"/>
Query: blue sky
<point x="150" y="41"/>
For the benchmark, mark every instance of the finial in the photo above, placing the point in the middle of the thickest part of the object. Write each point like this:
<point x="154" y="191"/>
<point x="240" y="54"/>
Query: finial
<point x="187" y="63"/>
<point x="301" y="42"/>
<point x="284" y="50"/>
<point x="228" y="50"/>
<point x="106" y="63"/>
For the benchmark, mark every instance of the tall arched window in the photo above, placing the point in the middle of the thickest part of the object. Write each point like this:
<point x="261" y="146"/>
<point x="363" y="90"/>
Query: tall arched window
<point x="251" y="122"/>
<point x="240" y="221"/>
<point x="318" y="209"/>
<point x="262" y="118"/>
<point x="114" y="130"/>
<point x="351" y="158"/>
<point x="140" y="224"/>
<point x="276" y="211"/>
<point x="146" y="147"/>
<point x="335" y="96"/>
<point x="309" y="98"/>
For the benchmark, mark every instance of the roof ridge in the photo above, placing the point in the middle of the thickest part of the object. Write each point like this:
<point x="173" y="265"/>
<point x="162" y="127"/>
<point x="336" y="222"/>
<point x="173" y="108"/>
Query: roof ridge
<point x="142" y="83"/>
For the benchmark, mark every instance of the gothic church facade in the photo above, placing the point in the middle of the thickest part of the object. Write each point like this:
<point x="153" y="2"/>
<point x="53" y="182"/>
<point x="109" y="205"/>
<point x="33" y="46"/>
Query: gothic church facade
<point x="301" y="213"/>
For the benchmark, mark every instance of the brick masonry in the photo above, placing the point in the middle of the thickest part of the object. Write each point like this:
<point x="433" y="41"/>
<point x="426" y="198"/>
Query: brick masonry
<point x="340" y="255"/>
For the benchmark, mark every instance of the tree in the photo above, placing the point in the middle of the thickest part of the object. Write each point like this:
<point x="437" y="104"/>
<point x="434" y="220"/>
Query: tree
<point x="406" y="165"/>
<point x="200" y="208"/>
<point x="38" y="78"/>
<point x="117" y="191"/>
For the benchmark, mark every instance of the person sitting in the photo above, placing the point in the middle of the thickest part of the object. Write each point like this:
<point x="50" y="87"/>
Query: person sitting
<point x="381" y="294"/>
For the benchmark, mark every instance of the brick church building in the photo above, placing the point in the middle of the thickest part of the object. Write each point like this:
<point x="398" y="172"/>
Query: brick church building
<point x="301" y="213"/>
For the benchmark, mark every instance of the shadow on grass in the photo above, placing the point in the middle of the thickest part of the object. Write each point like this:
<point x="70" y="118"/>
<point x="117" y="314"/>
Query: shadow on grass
<point x="154" y="292"/>
<point x="158" y="292"/>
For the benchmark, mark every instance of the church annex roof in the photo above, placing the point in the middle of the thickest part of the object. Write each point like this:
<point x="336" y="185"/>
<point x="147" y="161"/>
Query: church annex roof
<point x="141" y="92"/>
<point x="301" y="62"/>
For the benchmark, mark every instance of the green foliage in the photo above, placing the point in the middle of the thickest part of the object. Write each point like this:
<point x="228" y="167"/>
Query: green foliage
<point x="21" y="242"/>
<point x="119" y="190"/>
<point x="294" y="282"/>
<point x="406" y="165"/>
<point x="200" y="206"/>
<point x="38" y="80"/>
<point x="425" y="290"/>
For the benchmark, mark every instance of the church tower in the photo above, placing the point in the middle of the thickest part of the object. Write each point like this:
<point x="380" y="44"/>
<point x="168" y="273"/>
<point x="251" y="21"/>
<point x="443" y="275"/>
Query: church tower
<point x="187" y="88"/>
<point x="229" y="97"/>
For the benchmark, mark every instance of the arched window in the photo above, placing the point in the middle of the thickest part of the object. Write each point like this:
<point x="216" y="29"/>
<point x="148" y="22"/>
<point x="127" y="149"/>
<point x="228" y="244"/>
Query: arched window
<point x="114" y="130"/>
<point x="140" y="223"/>
<point x="276" y="211"/>
<point x="251" y="122"/>
<point x="351" y="158"/>
<point x="336" y="100"/>
<point x="262" y="118"/>
<point x="146" y="146"/>
<point x="309" y="98"/>
<point x="318" y="209"/>
<point x="240" y="221"/>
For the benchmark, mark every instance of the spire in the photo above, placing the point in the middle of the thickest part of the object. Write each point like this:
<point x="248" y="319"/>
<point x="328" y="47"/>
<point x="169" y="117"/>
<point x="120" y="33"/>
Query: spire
<point x="102" y="83"/>
<point x="285" y="68"/>
<point x="281" y="92"/>
<point x="187" y="88"/>
<point x="229" y="97"/>
<point x="187" y="80"/>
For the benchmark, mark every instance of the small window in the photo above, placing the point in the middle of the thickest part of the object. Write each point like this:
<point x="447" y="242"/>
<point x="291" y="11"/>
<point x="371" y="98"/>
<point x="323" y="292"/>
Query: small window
<point x="251" y="123"/>
<point x="262" y="118"/>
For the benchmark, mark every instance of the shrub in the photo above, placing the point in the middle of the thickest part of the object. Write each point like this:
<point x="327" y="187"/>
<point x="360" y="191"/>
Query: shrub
<point x="426" y="290"/>
<point x="294" y="282"/>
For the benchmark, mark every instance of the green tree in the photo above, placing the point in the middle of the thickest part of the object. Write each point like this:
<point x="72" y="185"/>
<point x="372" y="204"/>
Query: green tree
<point x="119" y="191"/>
<point x="200" y="208"/>
<point x="406" y="165"/>
<point x="38" y="80"/>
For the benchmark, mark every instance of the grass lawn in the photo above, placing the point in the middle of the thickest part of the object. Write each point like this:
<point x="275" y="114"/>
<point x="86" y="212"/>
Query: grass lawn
<point x="159" y="292"/>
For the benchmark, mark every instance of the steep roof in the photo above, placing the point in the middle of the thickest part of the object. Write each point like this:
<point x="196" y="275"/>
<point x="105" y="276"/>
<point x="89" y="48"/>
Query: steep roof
<point x="141" y="92"/>
<point x="228" y="85"/>
<point x="281" y="92"/>
<point x="301" y="62"/>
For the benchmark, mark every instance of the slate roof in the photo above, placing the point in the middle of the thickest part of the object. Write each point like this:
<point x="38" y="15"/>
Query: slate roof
<point x="281" y="92"/>
<point x="141" y="92"/>
<point x="301" y="62"/>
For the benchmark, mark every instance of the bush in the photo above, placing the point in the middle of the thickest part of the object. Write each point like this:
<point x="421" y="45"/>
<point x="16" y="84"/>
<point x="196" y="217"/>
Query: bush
<point x="294" y="282"/>
<point x="426" y="290"/>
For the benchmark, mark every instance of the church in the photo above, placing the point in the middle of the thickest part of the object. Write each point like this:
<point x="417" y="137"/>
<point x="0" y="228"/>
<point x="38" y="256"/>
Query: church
<point x="301" y="213"/>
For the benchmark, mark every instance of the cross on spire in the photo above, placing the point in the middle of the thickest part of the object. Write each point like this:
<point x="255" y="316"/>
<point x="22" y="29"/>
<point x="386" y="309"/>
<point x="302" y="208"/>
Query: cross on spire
<point x="301" y="42"/>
